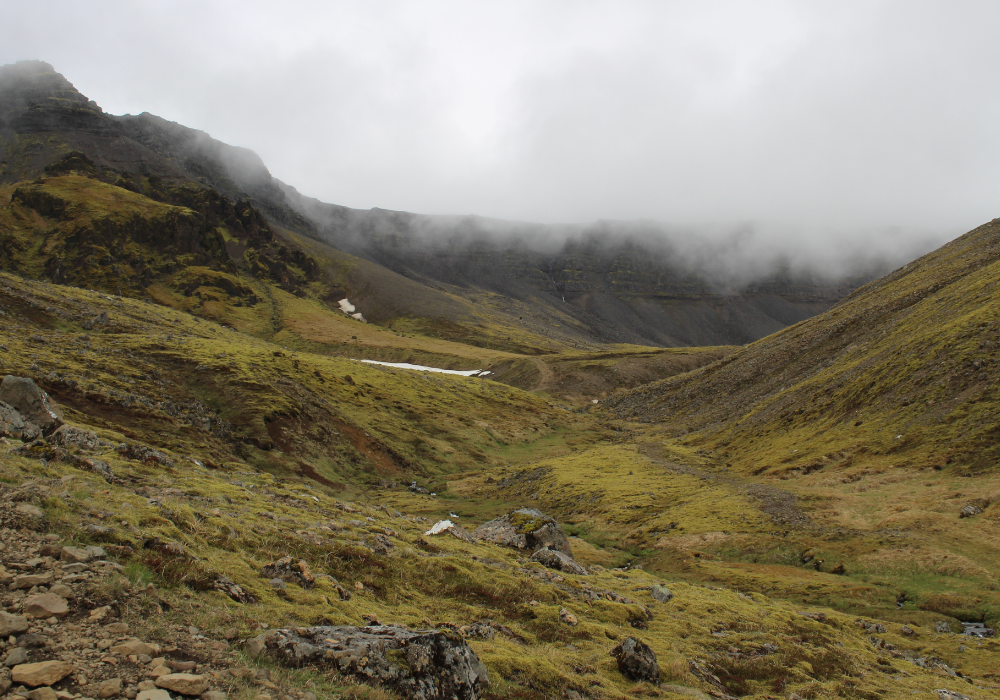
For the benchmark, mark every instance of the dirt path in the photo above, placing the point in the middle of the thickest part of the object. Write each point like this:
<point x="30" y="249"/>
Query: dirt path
<point x="779" y="504"/>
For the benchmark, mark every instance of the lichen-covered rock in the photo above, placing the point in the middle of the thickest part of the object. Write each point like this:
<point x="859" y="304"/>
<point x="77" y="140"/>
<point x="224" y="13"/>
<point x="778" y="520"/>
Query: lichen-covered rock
<point x="288" y="569"/>
<point x="526" y="528"/>
<point x="32" y="403"/>
<point x="233" y="590"/>
<point x="558" y="561"/>
<point x="661" y="594"/>
<point x="970" y="510"/>
<point x="417" y="664"/>
<point x="636" y="660"/>
<point x="13" y="425"/>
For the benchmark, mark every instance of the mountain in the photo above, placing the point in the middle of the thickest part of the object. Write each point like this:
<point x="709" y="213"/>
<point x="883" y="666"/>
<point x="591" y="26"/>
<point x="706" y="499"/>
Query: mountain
<point x="518" y="287"/>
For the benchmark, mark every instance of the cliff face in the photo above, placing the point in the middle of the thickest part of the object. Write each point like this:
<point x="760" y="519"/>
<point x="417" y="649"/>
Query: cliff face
<point x="607" y="282"/>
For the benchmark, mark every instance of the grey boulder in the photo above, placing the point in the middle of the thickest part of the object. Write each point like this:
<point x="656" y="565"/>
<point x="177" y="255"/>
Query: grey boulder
<point x="558" y="561"/>
<point x="526" y="528"/>
<point x="636" y="660"/>
<point x="31" y="402"/>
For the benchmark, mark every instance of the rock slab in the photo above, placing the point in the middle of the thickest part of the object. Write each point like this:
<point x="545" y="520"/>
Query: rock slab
<point x="183" y="683"/>
<point x="46" y="605"/>
<point x="12" y="624"/>
<point x="417" y="664"/>
<point x="558" y="561"/>
<point x="636" y="660"/>
<point x="526" y="528"/>
<point x="41" y="673"/>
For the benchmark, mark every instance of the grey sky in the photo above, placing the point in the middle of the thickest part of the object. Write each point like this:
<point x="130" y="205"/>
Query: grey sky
<point x="834" y="118"/>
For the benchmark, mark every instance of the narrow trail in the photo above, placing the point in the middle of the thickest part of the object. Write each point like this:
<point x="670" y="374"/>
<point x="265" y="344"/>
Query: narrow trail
<point x="779" y="504"/>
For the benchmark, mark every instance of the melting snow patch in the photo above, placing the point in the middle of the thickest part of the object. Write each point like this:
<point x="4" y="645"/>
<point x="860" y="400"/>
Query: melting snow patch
<point x="346" y="306"/>
<point x="407" y="365"/>
<point x="439" y="527"/>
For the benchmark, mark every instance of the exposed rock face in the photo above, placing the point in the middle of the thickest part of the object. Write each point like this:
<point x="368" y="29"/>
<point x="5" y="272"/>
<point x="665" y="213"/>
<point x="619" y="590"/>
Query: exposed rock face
<point x="417" y="664"/>
<point x="636" y="660"/>
<point x="558" y="561"/>
<point x="32" y="403"/>
<point x="525" y="529"/>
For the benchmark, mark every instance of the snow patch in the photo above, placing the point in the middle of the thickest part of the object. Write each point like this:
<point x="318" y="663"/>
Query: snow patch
<point x="346" y="306"/>
<point x="439" y="527"/>
<point x="407" y="365"/>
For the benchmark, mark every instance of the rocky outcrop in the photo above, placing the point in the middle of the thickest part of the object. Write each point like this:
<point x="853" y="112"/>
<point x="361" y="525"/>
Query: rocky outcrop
<point x="31" y="402"/>
<point x="288" y="569"/>
<point x="636" y="660"/>
<point x="525" y="529"/>
<point x="13" y="425"/>
<point x="558" y="561"/>
<point x="417" y="664"/>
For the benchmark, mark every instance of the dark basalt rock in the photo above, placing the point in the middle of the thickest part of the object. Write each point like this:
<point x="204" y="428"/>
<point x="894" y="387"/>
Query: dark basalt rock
<point x="636" y="660"/>
<point x="525" y="529"/>
<point x="13" y="425"/>
<point x="32" y="403"/>
<point x="417" y="664"/>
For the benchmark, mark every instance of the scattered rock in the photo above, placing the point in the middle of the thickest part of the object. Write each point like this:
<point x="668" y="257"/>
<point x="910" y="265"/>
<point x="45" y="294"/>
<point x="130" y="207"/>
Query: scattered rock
<point x="558" y="561"/>
<point x="287" y="569"/>
<point x="420" y="665"/>
<point x="969" y="511"/>
<point x="906" y="631"/>
<point x="101" y="319"/>
<point x="153" y="694"/>
<point x="567" y="617"/>
<point x="137" y="647"/>
<point x="28" y="510"/>
<point x="110" y="688"/>
<point x="661" y="594"/>
<point x="16" y="657"/>
<point x="942" y="627"/>
<point x="32" y="580"/>
<point x="526" y="528"/>
<point x="75" y="555"/>
<point x="951" y="695"/>
<point x="41" y="673"/>
<point x="46" y="605"/>
<point x="32" y="403"/>
<point x="183" y="683"/>
<point x="233" y="590"/>
<point x="636" y="660"/>
<point x="62" y="590"/>
<point x="42" y="693"/>
<point x="12" y="624"/>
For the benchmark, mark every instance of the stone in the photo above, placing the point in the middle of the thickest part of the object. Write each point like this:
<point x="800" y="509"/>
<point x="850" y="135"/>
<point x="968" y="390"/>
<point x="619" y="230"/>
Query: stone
<point x="96" y="552"/>
<point x="32" y="641"/>
<point x="278" y="584"/>
<point x="32" y="580"/>
<point x="61" y="589"/>
<point x="451" y="528"/>
<point x="147" y="685"/>
<point x="153" y="694"/>
<point x="13" y="425"/>
<point x="159" y="672"/>
<point x="30" y="511"/>
<point x="116" y="628"/>
<point x="32" y="403"/>
<point x="75" y="555"/>
<point x="46" y="605"/>
<point x="525" y="529"/>
<point x="71" y="436"/>
<point x="661" y="594"/>
<point x="184" y="683"/>
<point x="558" y="561"/>
<point x="43" y="693"/>
<point x="942" y="627"/>
<point x="969" y="511"/>
<point x="233" y="590"/>
<point x="12" y="624"/>
<point x="568" y="618"/>
<point x="135" y="647"/>
<point x="636" y="660"/>
<point x="16" y="657"/>
<point x="110" y="688"/>
<point x="215" y="695"/>
<point x="288" y="569"/>
<point x="944" y="694"/>
<point x="416" y="664"/>
<point x="41" y="673"/>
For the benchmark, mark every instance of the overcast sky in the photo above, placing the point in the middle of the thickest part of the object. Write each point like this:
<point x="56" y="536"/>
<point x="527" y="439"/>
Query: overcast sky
<point x="847" y="116"/>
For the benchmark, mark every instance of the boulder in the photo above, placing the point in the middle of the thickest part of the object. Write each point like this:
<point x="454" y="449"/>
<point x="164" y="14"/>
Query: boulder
<point x="32" y="403"/>
<point x="453" y="529"/>
<point x="417" y="664"/>
<point x="16" y="657"/>
<point x="71" y="436"/>
<point x="41" y="673"/>
<point x="636" y="661"/>
<point x="153" y="694"/>
<point x="43" y="693"/>
<point x="183" y="683"/>
<point x="942" y="627"/>
<point x="566" y="617"/>
<point x="75" y="555"/>
<point x="525" y="529"/>
<point x="661" y="594"/>
<point x="288" y="569"/>
<point x="137" y="647"/>
<point x="31" y="580"/>
<point x="13" y="425"/>
<point x="970" y="510"/>
<point x="46" y="605"/>
<point x="12" y="624"/>
<point x="110" y="688"/>
<point x="558" y="561"/>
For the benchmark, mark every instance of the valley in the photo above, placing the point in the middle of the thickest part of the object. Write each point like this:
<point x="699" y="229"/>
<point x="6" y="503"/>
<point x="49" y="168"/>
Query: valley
<point x="786" y="490"/>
